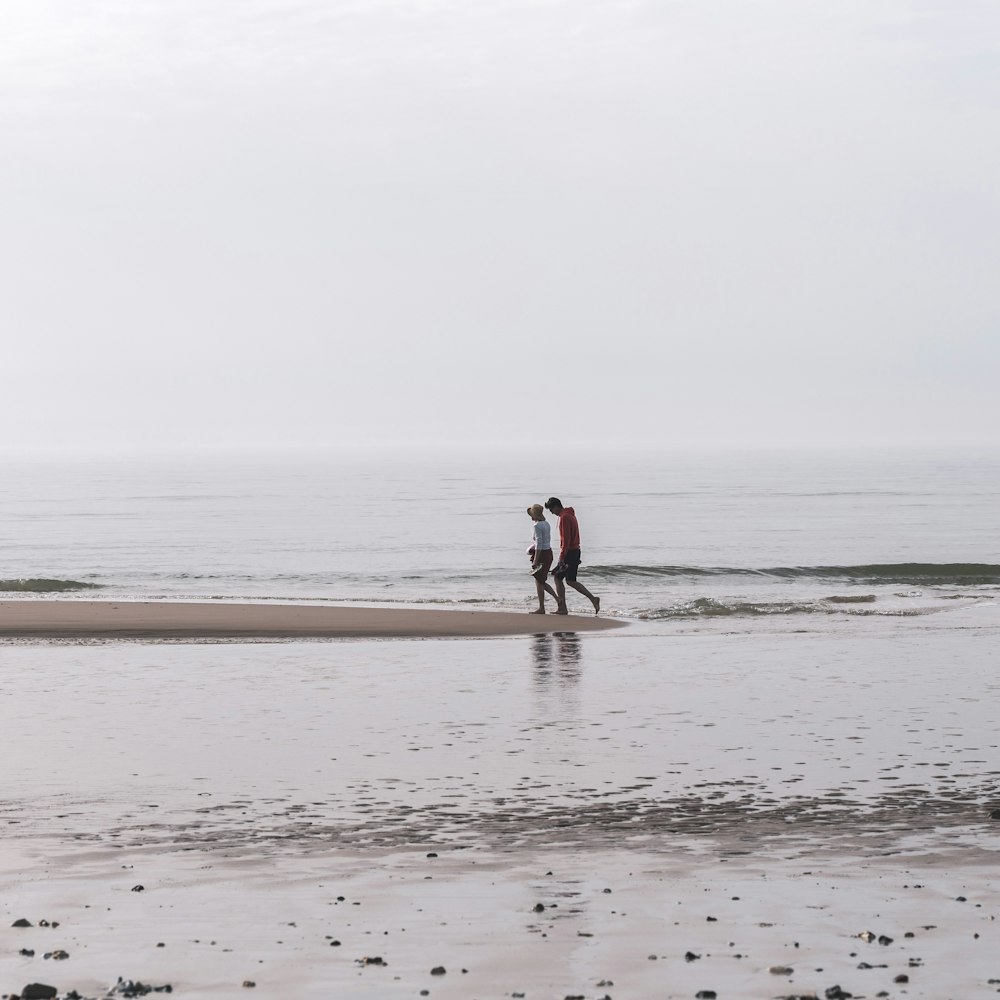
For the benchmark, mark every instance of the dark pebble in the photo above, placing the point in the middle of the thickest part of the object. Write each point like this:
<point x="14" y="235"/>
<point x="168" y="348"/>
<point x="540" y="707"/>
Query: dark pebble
<point x="334" y="944"/>
<point x="884" y="939"/>
<point x="432" y="855"/>
<point x="438" y="970"/>
<point x="539" y="907"/>
<point x="28" y="952"/>
<point x="705" y="995"/>
<point x="39" y="991"/>
<point x="690" y="956"/>
<point x="137" y="988"/>
<point x="836" y="993"/>
<point x="138" y="888"/>
<point x="902" y="978"/>
<point x="22" y="923"/>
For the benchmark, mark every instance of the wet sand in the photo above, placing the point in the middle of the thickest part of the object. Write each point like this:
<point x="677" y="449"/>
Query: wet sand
<point x="539" y="924"/>
<point x="621" y="814"/>
<point x="227" y="620"/>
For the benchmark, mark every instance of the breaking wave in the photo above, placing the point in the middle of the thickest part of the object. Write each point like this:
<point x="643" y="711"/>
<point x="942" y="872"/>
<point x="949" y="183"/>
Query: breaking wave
<point x="44" y="586"/>
<point x="918" y="574"/>
<point x="711" y="607"/>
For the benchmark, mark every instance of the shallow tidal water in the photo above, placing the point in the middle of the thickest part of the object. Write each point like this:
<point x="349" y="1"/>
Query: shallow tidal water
<point x="627" y="738"/>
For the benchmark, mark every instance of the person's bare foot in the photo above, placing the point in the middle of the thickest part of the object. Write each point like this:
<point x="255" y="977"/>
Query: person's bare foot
<point x="539" y="611"/>
<point x="597" y="605"/>
<point x="562" y="611"/>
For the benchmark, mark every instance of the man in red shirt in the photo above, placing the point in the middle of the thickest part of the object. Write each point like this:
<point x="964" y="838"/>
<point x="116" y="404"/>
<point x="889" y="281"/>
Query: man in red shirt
<point x="569" y="556"/>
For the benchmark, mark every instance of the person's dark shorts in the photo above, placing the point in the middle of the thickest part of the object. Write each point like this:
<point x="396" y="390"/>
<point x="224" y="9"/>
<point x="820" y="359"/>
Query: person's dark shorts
<point x="540" y="567"/>
<point x="566" y="568"/>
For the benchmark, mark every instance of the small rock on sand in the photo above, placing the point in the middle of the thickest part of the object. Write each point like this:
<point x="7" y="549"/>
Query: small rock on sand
<point x="39" y="991"/>
<point x="22" y="923"/>
<point x="836" y="993"/>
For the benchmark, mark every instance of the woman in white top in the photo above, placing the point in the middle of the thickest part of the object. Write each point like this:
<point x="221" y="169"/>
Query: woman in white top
<point x="540" y="554"/>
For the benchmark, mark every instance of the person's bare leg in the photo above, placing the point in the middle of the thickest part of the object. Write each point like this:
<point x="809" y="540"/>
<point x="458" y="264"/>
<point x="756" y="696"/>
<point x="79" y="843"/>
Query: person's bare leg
<point x="596" y="601"/>
<point x="540" y="587"/>
<point x="561" y="608"/>
<point x="551" y="592"/>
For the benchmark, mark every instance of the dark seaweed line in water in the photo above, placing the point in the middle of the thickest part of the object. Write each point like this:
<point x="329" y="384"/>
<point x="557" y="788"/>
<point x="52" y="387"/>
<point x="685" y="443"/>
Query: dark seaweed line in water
<point x="648" y="824"/>
<point x="43" y="585"/>
<point x="918" y="574"/>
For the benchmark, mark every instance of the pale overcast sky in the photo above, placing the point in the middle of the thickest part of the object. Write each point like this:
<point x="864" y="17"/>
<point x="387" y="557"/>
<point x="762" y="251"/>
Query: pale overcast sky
<point x="671" y="222"/>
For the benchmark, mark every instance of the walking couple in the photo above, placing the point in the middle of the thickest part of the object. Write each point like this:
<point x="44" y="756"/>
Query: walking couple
<point x="540" y="553"/>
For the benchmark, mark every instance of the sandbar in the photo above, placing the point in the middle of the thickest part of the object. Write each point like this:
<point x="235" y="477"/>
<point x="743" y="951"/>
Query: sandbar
<point x="47" y="619"/>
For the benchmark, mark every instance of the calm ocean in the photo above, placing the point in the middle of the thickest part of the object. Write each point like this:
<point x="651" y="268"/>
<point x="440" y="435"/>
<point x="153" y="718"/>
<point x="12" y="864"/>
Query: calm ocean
<point x="706" y="541"/>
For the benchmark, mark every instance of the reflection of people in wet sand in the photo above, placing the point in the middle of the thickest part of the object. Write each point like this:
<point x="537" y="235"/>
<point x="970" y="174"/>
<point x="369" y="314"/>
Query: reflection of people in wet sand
<point x="557" y="649"/>
<point x="569" y="556"/>
<point x="540" y="554"/>
<point x="568" y="649"/>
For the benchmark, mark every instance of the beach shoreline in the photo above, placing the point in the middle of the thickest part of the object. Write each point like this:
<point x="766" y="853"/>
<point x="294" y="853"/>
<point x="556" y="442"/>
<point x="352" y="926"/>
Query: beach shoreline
<point x="54" y="619"/>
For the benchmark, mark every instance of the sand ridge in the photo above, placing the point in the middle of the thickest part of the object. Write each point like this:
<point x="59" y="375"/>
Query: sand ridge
<point x="72" y="619"/>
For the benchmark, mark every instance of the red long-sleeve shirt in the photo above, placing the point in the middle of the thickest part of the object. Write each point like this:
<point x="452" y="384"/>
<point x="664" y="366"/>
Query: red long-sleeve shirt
<point x="569" y="532"/>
